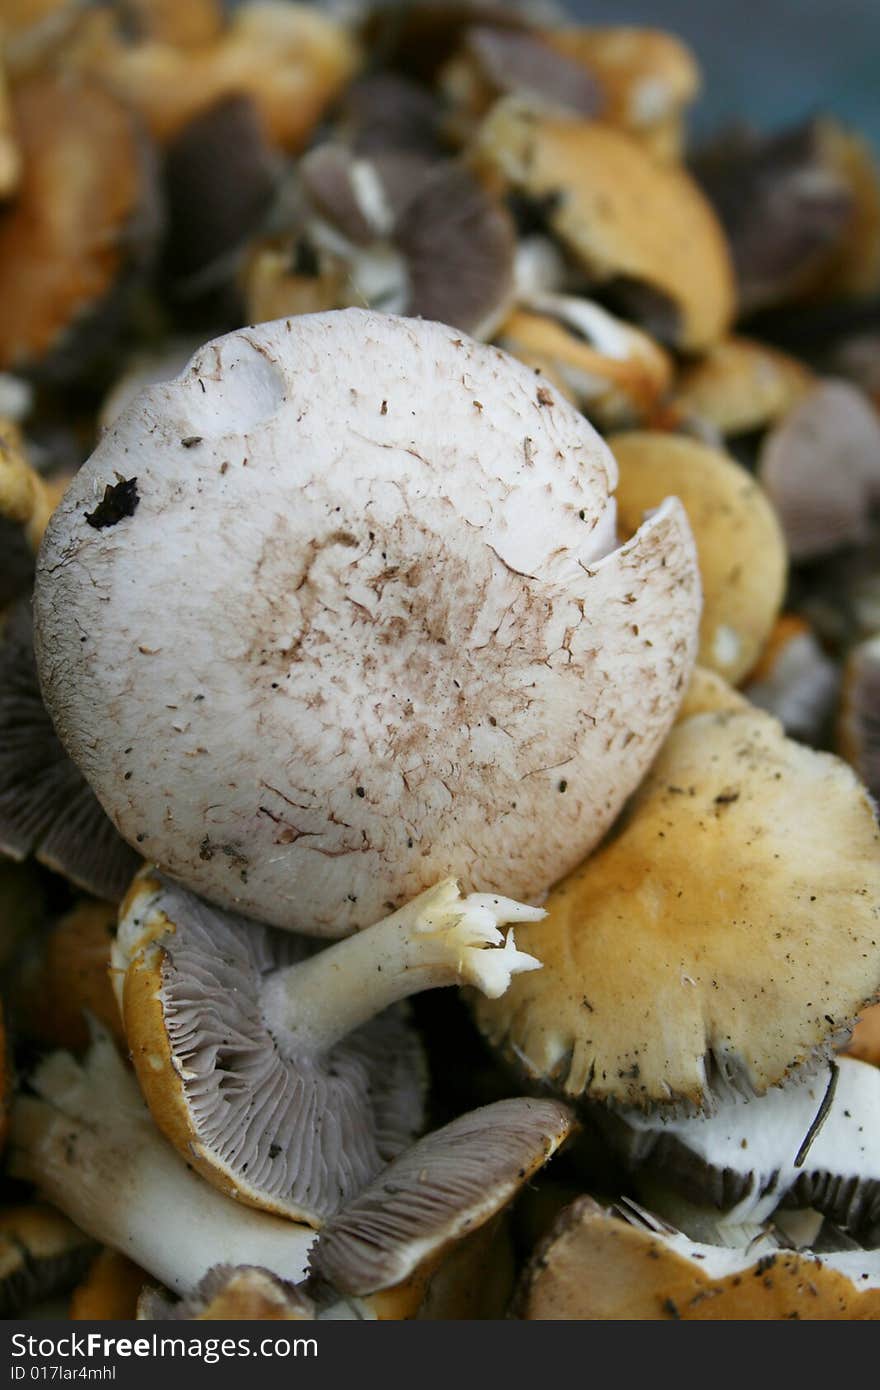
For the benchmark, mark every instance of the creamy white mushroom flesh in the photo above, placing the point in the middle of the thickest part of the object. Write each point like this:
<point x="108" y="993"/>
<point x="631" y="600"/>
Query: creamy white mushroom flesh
<point x="280" y="1072"/>
<point x="812" y="1143"/>
<point x="86" y="1140"/>
<point x="354" y="621"/>
<point x="46" y="806"/>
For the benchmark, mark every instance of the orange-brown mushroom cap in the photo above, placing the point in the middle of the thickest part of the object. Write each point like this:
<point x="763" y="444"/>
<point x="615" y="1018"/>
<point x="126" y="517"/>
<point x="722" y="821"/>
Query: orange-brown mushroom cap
<point x="594" y="1265"/>
<point x="622" y="215"/>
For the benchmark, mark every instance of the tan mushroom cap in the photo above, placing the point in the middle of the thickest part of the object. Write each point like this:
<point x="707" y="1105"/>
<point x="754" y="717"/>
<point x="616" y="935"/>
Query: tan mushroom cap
<point x="740" y="546"/>
<point x="110" y="1290"/>
<point x="620" y="212"/>
<point x="292" y="59"/>
<point x="709" y="693"/>
<point x="69" y="982"/>
<point x="274" y="289"/>
<point x="741" y="385"/>
<point x="25" y="498"/>
<point x="648" y="78"/>
<point x="616" y="373"/>
<point x="68" y="232"/>
<point x="728" y="927"/>
<point x="596" y="1266"/>
<point x="239" y="1293"/>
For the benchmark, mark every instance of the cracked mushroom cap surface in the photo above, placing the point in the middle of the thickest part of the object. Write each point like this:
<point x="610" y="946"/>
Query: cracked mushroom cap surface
<point x="338" y="613"/>
<point x="723" y="935"/>
<point x="621" y="213"/>
<point x="595" y="1265"/>
<point x="740" y="546"/>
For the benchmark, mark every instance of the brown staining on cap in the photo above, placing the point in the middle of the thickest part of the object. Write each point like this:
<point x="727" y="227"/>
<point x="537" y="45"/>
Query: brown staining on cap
<point x="83" y="214"/>
<point x="601" y="182"/>
<point x="821" y="469"/>
<point x="740" y="547"/>
<point x="741" y="385"/>
<point x="740" y="931"/>
<point x="596" y="1266"/>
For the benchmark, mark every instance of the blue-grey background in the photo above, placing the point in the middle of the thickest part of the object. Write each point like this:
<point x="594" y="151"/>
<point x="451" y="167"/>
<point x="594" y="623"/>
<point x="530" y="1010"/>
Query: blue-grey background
<point x="770" y="60"/>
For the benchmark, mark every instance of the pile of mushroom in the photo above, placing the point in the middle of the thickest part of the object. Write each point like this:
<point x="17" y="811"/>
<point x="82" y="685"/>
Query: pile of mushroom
<point x="439" y="674"/>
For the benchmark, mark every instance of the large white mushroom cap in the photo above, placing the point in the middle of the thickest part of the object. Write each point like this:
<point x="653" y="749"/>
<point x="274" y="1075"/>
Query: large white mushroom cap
<point x="338" y="612"/>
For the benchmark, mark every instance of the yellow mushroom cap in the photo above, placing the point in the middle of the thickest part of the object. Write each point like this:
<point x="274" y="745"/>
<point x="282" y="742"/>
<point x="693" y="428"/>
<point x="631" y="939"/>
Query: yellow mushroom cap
<point x="709" y="693"/>
<point x="740" y="547"/>
<point x="647" y="78"/>
<point x="594" y="1265"/>
<point x="623" y="215"/>
<point x="741" y="385"/>
<point x="727" y="929"/>
<point x="614" y="372"/>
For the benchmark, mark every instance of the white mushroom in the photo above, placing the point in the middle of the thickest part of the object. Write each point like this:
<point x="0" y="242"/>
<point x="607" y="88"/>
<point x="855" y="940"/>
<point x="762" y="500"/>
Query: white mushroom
<point x="338" y="613"/>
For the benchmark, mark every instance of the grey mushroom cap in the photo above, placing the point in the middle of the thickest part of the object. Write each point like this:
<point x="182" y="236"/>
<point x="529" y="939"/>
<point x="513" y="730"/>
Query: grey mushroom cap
<point x="264" y="1115"/>
<point x="360" y="624"/>
<point x="821" y="469"/>
<point x="812" y="1143"/>
<point x="46" y="806"/>
<point x="444" y="1187"/>
<point x="520" y="62"/>
<point x="416" y="234"/>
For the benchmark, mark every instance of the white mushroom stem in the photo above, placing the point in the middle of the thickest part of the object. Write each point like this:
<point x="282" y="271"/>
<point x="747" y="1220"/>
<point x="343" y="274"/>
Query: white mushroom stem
<point x="91" y="1147"/>
<point x="439" y="938"/>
